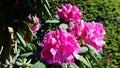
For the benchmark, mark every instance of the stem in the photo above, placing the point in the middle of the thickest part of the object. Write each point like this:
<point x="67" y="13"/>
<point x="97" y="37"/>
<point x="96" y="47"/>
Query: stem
<point x="1" y="50"/>
<point x="14" y="59"/>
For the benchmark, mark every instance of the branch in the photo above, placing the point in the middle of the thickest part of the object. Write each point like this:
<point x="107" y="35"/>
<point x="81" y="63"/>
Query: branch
<point x="14" y="59"/>
<point x="1" y="50"/>
<point x="11" y="63"/>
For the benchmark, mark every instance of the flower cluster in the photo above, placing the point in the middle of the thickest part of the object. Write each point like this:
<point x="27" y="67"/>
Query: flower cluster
<point x="69" y="13"/>
<point x="37" y="25"/>
<point x="34" y="27"/>
<point x="60" y="46"/>
<point x="76" y="30"/>
<point x="93" y="34"/>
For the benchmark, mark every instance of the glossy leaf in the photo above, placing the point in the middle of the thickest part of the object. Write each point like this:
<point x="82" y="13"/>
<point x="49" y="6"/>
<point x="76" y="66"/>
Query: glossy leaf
<point x="84" y="50"/>
<point x="52" y="21"/>
<point x="65" y="26"/>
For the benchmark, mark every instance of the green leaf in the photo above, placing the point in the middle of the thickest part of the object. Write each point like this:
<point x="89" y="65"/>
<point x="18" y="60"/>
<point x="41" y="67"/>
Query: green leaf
<point x="64" y="65"/>
<point x="29" y="61"/>
<point x="52" y="21"/>
<point x="84" y="50"/>
<point x="47" y="3"/>
<point x="92" y="49"/>
<point x="65" y="26"/>
<point x="88" y="62"/>
<point x="21" y="39"/>
<point x="31" y="31"/>
<point x="21" y="48"/>
<point x="48" y="12"/>
<point x="18" y="63"/>
<point x="19" y="59"/>
<point x="33" y="46"/>
<point x="73" y="65"/>
<point x="26" y="54"/>
<point x="38" y="65"/>
<point x="71" y="24"/>
<point x="29" y="47"/>
<point x="94" y="58"/>
<point x="10" y="57"/>
<point x="83" y="60"/>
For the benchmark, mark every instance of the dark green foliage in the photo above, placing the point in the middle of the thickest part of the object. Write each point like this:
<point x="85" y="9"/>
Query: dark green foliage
<point x="106" y="12"/>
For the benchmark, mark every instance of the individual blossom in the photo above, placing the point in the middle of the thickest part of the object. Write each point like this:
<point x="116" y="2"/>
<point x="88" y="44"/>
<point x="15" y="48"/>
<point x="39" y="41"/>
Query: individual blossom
<point x="69" y="13"/>
<point x="59" y="47"/>
<point x="93" y="34"/>
<point x="34" y="27"/>
<point x="77" y="28"/>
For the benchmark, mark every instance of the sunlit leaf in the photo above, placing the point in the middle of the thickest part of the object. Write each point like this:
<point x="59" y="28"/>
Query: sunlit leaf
<point x="29" y="46"/>
<point x="47" y="10"/>
<point x="19" y="59"/>
<point x="38" y="65"/>
<point x="65" y="26"/>
<point x="88" y="62"/>
<point x="21" y="48"/>
<point x="64" y="65"/>
<point x="18" y="63"/>
<point x="10" y="57"/>
<point x="21" y="39"/>
<point x="73" y="65"/>
<point x="71" y="24"/>
<point x="84" y="50"/>
<point x="33" y="46"/>
<point x="47" y="3"/>
<point x="52" y="21"/>
<point x="26" y="54"/>
<point x="83" y="60"/>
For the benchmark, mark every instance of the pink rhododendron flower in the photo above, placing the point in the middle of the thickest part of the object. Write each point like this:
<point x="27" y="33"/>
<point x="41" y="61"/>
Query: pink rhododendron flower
<point x="93" y="34"/>
<point x="37" y="25"/>
<point x="69" y="13"/>
<point x="34" y="27"/>
<point x="76" y="30"/>
<point x="59" y="47"/>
